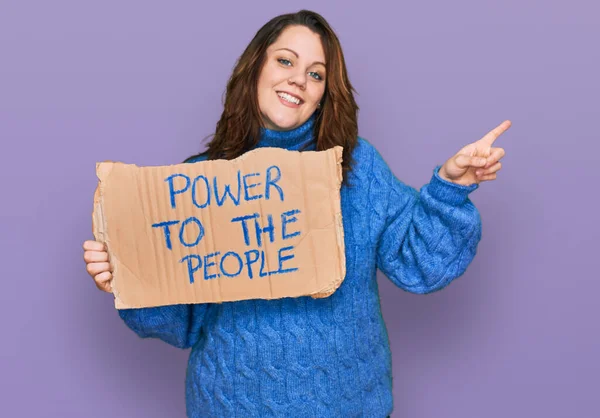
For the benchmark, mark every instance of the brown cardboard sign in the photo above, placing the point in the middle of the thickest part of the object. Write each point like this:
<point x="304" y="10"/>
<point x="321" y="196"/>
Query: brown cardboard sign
<point x="265" y="225"/>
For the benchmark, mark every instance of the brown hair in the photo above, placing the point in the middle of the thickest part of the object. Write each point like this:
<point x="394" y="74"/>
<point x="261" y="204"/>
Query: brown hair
<point x="238" y="129"/>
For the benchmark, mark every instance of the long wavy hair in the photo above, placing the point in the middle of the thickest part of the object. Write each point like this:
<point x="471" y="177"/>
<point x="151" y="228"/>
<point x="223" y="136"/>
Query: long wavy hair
<point x="238" y="129"/>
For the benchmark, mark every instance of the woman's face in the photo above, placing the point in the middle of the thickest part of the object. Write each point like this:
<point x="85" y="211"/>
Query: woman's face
<point x="292" y="81"/>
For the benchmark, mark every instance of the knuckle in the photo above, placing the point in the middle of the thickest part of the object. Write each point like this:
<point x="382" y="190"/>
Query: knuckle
<point x="104" y="276"/>
<point x="105" y="287"/>
<point x="90" y="268"/>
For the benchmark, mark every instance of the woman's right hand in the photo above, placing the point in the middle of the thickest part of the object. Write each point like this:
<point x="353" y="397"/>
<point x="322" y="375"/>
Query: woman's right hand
<point x="97" y="264"/>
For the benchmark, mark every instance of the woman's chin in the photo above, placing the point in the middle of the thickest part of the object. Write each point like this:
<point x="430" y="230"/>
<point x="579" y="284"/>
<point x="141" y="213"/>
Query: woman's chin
<point x="283" y="124"/>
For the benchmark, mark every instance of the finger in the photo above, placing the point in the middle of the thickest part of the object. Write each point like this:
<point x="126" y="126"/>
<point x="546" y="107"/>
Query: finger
<point x="492" y="135"/>
<point x="95" y="256"/>
<point x="490" y="170"/>
<point x="90" y="245"/>
<point x="466" y="161"/>
<point x="104" y="286"/>
<point x="495" y="156"/>
<point x="95" y="268"/>
<point x="487" y="177"/>
<point x="105" y="276"/>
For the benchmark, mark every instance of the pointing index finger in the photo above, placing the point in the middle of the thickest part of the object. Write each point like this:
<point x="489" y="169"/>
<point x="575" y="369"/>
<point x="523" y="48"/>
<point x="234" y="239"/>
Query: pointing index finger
<point x="492" y="135"/>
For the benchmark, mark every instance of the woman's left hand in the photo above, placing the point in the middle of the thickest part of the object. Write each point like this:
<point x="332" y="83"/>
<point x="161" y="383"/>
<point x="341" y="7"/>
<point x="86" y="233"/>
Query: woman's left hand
<point x="476" y="162"/>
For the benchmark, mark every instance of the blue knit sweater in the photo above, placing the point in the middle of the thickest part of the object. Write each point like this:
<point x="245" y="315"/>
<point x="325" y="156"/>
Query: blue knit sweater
<point x="330" y="357"/>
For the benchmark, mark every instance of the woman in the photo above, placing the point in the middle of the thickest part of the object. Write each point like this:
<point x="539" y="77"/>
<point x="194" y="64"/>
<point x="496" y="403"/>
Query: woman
<point x="301" y="356"/>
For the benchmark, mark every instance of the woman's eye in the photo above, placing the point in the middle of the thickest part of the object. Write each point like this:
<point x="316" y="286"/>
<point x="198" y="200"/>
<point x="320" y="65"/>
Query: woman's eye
<point x="316" y="75"/>
<point x="287" y="63"/>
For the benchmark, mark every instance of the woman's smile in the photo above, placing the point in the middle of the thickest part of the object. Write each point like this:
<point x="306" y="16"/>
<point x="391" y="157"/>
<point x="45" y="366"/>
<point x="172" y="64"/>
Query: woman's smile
<point x="289" y="100"/>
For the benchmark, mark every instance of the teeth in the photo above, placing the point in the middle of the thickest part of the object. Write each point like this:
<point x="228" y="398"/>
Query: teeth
<point x="289" y="98"/>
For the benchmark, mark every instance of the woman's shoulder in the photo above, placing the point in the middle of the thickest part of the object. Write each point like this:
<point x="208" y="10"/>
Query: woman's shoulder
<point x="365" y="154"/>
<point x="363" y="146"/>
<point x="196" y="158"/>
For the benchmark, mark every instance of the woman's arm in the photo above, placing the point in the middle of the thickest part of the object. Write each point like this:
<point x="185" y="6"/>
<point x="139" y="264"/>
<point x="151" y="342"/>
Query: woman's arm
<point x="429" y="237"/>
<point x="177" y="325"/>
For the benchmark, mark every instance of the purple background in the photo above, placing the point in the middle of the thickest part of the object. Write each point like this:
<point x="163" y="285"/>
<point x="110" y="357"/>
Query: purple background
<point x="142" y="83"/>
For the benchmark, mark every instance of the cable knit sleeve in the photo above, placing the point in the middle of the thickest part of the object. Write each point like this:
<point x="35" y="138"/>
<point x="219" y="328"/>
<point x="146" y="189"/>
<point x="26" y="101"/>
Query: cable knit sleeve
<point x="429" y="237"/>
<point x="177" y="325"/>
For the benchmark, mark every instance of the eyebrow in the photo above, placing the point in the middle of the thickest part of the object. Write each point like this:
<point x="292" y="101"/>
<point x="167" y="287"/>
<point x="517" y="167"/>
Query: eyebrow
<point x="297" y="56"/>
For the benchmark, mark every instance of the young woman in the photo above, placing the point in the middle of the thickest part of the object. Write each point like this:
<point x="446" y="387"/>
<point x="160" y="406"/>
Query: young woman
<point x="330" y="357"/>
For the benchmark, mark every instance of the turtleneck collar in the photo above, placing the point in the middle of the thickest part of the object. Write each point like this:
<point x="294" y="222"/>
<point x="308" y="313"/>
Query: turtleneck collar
<point x="300" y="138"/>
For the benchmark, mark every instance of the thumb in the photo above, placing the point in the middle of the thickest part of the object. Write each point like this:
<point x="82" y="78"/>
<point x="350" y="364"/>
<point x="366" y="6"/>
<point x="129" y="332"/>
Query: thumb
<point x="465" y="161"/>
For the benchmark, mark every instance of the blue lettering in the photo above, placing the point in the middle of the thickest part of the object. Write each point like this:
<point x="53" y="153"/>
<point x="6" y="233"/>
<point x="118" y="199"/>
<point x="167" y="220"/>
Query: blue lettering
<point x="191" y="268"/>
<point x="240" y="263"/>
<point x="259" y="231"/>
<point x="250" y="262"/>
<point x="247" y="187"/>
<point x="200" y="231"/>
<point x="261" y="272"/>
<point x="285" y="221"/>
<point x="166" y="230"/>
<point x="205" y="204"/>
<point x="243" y="219"/>
<point x="172" y="191"/>
<point x="284" y="258"/>
<point x="207" y="265"/>
<point x="196" y="262"/>
<point x="227" y="191"/>
<point x="272" y="182"/>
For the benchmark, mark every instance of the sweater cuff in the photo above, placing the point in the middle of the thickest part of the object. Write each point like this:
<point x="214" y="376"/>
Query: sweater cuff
<point x="447" y="191"/>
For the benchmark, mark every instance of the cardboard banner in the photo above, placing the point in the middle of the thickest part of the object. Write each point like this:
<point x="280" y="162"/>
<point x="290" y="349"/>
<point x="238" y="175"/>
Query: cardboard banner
<point x="265" y="225"/>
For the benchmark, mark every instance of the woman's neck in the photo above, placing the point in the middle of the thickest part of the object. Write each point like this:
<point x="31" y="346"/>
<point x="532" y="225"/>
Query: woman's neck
<point x="299" y="138"/>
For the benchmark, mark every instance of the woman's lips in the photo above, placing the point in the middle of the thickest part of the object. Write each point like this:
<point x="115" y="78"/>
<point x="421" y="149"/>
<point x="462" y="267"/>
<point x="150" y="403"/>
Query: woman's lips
<point x="288" y="104"/>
